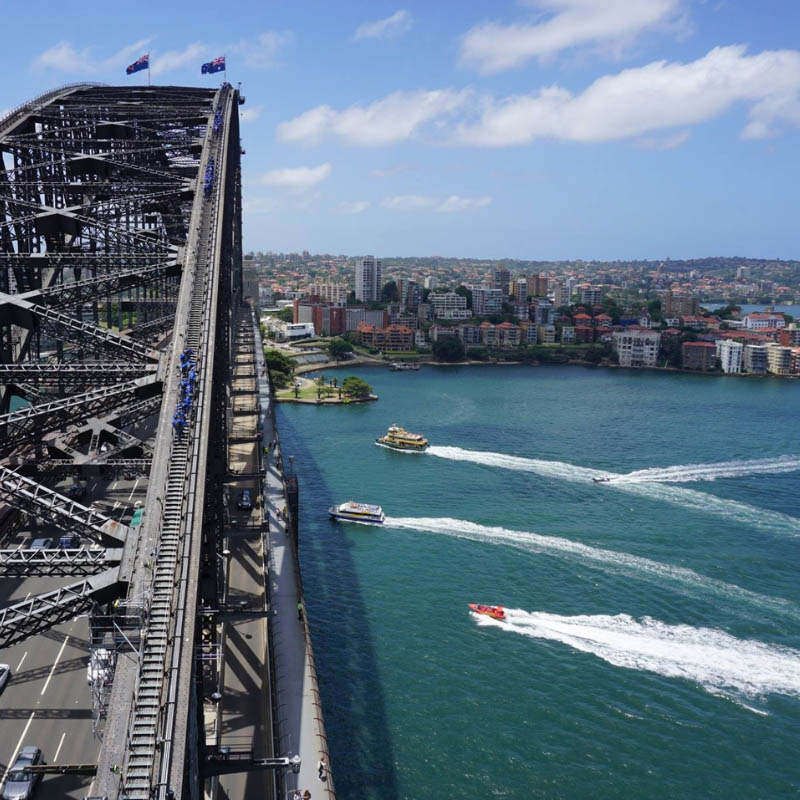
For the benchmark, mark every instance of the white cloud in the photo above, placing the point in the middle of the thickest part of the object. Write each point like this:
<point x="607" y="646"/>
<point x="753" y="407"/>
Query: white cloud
<point x="353" y="208"/>
<point x="297" y="179"/>
<point x="388" y="172"/>
<point x="657" y="96"/>
<point x="396" y="117"/>
<point x="63" y="57"/>
<point x="259" y="205"/>
<point x="250" y="114"/>
<point x="264" y="51"/>
<point x="492" y="47"/>
<point x="456" y="203"/>
<point x="669" y="142"/>
<point x="399" y="23"/>
<point x="193" y="54"/>
<point x="407" y="202"/>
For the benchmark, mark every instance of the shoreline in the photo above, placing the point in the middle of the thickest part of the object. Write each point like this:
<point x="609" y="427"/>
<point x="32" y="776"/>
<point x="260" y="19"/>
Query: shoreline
<point x="306" y="368"/>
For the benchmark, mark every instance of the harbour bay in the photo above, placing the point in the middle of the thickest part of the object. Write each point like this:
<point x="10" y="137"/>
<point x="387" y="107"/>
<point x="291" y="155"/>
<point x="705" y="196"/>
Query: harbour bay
<point x="652" y="642"/>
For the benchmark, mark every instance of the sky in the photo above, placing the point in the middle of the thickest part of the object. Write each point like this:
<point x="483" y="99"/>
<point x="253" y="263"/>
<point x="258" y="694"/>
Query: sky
<point x="532" y="129"/>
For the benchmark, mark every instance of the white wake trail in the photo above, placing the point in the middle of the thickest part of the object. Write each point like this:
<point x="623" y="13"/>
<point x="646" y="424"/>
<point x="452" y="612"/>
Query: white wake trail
<point x="683" y="473"/>
<point x="730" y="510"/>
<point x="613" y="561"/>
<point x="717" y="661"/>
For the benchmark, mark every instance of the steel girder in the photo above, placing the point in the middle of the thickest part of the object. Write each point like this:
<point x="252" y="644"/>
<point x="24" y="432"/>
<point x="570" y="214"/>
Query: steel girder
<point x="34" y="498"/>
<point x="95" y="372"/>
<point x="30" y="424"/>
<point x="79" y="561"/>
<point x="40" y="613"/>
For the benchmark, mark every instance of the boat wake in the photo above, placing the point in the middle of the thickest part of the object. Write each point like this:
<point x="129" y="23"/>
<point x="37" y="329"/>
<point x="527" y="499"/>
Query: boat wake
<point x="684" y="473"/>
<point x="730" y="510"/>
<point x="717" y="661"/>
<point x="611" y="561"/>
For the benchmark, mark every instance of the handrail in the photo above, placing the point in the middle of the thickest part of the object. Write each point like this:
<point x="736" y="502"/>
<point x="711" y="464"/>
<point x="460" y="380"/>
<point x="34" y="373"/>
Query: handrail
<point x="45" y="96"/>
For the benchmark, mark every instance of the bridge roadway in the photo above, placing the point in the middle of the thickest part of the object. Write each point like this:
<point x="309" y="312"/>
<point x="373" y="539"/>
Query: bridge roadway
<point x="48" y="700"/>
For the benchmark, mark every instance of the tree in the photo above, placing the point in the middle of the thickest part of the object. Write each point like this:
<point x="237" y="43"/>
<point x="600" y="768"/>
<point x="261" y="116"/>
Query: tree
<point x="338" y="348"/>
<point x="389" y="293"/>
<point x="465" y="292"/>
<point x="355" y="387"/>
<point x="654" y="309"/>
<point x="280" y="366"/>
<point x="448" y="348"/>
<point x="477" y="353"/>
<point x="286" y="314"/>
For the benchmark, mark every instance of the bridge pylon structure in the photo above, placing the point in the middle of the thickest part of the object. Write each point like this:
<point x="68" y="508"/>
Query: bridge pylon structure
<point x="120" y="276"/>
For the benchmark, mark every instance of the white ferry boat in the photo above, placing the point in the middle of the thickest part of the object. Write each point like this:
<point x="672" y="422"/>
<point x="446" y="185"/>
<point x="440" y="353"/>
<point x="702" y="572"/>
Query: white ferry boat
<point x="358" y="512"/>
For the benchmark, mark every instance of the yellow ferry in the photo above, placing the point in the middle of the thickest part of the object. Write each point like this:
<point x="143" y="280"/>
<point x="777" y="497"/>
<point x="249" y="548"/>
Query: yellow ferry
<point x="398" y="438"/>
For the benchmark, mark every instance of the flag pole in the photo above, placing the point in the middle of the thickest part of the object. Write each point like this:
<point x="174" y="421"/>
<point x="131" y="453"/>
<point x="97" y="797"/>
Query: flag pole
<point x="225" y="71"/>
<point x="148" y="69"/>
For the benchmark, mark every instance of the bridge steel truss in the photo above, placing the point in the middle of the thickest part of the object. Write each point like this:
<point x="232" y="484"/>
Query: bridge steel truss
<point x="115" y="258"/>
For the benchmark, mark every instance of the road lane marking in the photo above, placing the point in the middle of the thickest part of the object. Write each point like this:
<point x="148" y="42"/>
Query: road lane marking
<point x="16" y="749"/>
<point x="21" y="660"/>
<point x="130" y="496"/>
<point x="27" y="596"/>
<point x="114" y="485"/>
<point x="124" y="512"/>
<point x="55" y="664"/>
<point x="58" y="749"/>
<point x="115" y="507"/>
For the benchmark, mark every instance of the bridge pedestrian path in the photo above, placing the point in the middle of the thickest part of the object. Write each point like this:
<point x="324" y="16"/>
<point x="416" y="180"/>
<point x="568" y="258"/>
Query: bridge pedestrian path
<point x="300" y="724"/>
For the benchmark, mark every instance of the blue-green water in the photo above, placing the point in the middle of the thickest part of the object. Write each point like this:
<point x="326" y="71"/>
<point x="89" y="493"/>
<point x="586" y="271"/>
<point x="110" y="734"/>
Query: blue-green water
<point x="652" y="647"/>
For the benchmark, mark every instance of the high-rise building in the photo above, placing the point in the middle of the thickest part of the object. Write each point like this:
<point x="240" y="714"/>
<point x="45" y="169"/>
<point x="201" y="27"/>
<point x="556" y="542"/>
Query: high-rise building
<point x="754" y="359"/>
<point x="680" y="305"/>
<point x="369" y="277"/>
<point x="501" y="279"/>
<point x="520" y="289"/>
<point x="537" y="285"/>
<point x="543" y="312"/>
<point x="410" y="294"/>
<point x="486" y="301"/>
<point x="591" y="295"/>
<point x="429" y="282"/>
<point x="779" y="359"/>
<point x="329" y="292"/>
<point x="561" y="294"/>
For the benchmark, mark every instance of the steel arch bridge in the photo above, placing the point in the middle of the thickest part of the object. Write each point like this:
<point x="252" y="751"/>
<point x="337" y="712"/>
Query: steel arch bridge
<point x="120" y="275"/>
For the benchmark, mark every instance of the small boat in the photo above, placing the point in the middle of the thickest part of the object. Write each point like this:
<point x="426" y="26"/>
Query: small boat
<point x="601" y="480"/>
<point x="495" y="612"/>
<point x="402" y="366"/>
<point x="358" y="512"/>
<point x="398" y="438"/>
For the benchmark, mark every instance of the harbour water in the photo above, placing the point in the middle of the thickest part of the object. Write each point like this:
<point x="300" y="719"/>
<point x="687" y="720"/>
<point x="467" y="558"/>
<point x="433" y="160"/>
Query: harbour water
<point x="652" y="646"/>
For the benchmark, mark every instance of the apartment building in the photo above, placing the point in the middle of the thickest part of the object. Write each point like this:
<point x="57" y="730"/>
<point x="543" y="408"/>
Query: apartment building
<point x="779" y="359"/>
<point x="754" y="359"/>
<point x="763" y="321"/>
<point x="637" y="348"/>
<point x="443" y="302"/>
<point x="680" y="305"/>
<point x="590" y="295"/>
<point x="730" y="355"/>
<point x="329" y="292"/>
<point x="369" y="277"/>
<point x="700" y="356"/>
<point x="486" y="301"/>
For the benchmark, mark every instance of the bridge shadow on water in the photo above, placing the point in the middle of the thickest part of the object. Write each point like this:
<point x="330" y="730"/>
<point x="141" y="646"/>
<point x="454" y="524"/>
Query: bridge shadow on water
<point x="362" y="759"/>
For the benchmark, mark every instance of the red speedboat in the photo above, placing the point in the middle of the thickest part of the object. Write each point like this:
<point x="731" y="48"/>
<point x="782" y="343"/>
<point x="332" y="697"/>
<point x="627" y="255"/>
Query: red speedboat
<point x="496" y="612"/>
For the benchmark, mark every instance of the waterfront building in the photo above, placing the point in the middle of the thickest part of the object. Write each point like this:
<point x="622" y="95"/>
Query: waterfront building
<point x="508" y="335"/>
<point x="754" y="359"/>
<point x="446" y="301"/>
<point x="424" y="312"/>
<point x="701" y="356"/>
<point x="568" y="334"/>
<point x="486" y="301"/>
<point x="403" y="318"/>
<point x="730" y="355"/>
<point x="469" y="334"/>
<point x="637" y="348"/>
<point x="369" y="277"/>
<point x="355" y="315"/>
<point x="763" y="321"/>
<point x="437" y="332"/>
<point x="584" y="334"/>
<point x="678" y="304"/>
<point x="501" y="279"/>
<point x="488" y="334"/>
<point x="393" y="338"/>
<point x="420" y="342"/>
<point x="604" y="321"/>
<point x="590" y="295"/>
<point x="546" y="334"/>
<point x="455" y="313"/>
<point x="779" y="359"/>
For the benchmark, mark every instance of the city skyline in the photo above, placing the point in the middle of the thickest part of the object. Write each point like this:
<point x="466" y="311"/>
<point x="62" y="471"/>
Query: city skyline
<point x="558" y="129"/>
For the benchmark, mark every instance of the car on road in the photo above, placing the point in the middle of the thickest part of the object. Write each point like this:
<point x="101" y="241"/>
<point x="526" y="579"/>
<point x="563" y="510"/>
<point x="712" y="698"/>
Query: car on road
<point x="243" y="500"/>
<point x="69" y="541"/>
<point x="42" y="543"/>
<point x="5" y="674"/>
<point x="19" y="784"/>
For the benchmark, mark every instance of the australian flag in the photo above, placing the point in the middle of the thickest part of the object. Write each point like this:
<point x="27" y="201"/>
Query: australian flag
<point x="142" y="63"/>
<point x="210" y="67"/>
